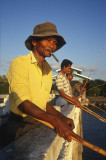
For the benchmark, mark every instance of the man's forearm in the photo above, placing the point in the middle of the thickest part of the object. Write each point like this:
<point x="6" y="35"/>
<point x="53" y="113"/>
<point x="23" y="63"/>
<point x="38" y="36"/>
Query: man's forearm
<point x="71" y="99"/>
<point x="35" y="112"/>
<point x="61" y="126"/>
<point x="50" y="109"/>
<point x="74" y="100"/>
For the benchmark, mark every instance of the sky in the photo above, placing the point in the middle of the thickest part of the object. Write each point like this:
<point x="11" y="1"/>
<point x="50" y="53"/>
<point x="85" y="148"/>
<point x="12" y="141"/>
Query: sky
<point x="82" y="23"/>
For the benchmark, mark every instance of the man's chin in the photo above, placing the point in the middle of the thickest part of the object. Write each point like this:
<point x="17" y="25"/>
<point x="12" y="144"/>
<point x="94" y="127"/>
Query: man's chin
<point x="48" y="55"/>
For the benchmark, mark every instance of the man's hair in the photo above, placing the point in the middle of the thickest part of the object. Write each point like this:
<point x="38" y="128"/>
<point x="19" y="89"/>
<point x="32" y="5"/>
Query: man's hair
<point x="66" y="63"/>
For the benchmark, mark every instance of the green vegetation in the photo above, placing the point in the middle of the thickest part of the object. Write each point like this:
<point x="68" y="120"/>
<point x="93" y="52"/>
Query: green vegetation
<point x="93" y="87"/>
<point x="4" y="86"/>
<point x="96" y="88"/>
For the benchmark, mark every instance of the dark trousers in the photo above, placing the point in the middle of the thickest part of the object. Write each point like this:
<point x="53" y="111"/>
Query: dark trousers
<point x="15" y="127"/>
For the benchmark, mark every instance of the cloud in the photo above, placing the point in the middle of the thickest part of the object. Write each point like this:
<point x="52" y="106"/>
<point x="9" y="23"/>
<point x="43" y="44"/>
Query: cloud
<point x="5" y="62"/>
<point x="4" y="66"/>
<point x="8" y="61"/>
<point x="54" y="65"/>
<point x="96" y="73"/>
<point x="88" y="69"/>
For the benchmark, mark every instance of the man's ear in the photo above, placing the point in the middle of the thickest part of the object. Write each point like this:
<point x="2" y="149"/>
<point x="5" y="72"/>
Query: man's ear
<point x="33" y="42"/>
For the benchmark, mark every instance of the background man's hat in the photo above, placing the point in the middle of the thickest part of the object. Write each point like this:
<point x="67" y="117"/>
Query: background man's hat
<point x="43" y="30"/>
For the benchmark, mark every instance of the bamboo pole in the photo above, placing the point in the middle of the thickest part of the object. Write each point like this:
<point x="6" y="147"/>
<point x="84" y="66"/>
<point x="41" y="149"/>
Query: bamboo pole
<point x="93" y="113"/>
<point x="77" y="138"/>
<point x="97" y="107"/>
<point x="90" y="111"/>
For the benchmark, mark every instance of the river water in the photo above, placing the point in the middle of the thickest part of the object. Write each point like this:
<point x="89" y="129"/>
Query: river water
<point x="94" y="131"/>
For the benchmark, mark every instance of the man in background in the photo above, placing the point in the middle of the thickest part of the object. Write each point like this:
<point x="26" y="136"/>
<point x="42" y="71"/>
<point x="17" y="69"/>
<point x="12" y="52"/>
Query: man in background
<point x="76" y="89"/>
<point x="63" y="84"/>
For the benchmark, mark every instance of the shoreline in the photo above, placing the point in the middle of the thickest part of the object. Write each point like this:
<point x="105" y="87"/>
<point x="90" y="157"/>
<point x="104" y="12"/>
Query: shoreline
<point x="97" y="99"/>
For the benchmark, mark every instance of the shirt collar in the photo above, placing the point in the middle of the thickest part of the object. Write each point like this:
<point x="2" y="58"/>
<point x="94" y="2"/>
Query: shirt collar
<point x="33" y="58"/>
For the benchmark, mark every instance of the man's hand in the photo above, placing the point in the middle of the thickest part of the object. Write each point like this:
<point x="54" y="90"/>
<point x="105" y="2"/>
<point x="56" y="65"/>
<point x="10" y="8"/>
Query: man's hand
<point x="69" y="122"/>
<point x="78" y="104"/>
<point x="50" y="109"/>
<point x="63" y="129"/>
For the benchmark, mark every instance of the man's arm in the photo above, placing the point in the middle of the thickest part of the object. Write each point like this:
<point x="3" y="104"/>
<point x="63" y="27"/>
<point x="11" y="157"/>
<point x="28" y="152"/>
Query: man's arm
<point x="62" y="128"/>
<point x="68" y="98"/>
<point x="32" y="110"/>
<point x="50" y="109"/>
<point x="59" y="84"/>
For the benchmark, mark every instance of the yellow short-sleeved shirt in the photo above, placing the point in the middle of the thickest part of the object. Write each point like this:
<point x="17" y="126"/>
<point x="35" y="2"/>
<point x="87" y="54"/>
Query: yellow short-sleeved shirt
<point x="29" y="80"/>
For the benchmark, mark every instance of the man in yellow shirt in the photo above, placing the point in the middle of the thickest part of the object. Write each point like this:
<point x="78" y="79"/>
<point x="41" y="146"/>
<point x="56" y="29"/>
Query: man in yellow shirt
<point x="30" y="81"/>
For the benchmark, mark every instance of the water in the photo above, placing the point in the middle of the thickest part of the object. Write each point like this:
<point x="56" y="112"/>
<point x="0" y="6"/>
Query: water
<point x="94" y="131"/>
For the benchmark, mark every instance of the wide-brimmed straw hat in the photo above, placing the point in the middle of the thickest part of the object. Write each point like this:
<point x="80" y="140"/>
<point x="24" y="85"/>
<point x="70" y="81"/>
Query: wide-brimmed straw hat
<point x="43" y="30"/>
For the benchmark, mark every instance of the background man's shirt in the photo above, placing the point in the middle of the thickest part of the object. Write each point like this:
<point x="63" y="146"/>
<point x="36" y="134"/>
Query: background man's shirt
<point x="63" y="83"/>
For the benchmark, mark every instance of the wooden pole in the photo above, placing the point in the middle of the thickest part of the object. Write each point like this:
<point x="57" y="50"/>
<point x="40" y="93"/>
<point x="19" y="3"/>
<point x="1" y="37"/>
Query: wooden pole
<point x="77" y="138"/>
<point x="97" y="107"/>
<point x="93" y="113"/>
<point x="90" y="111"/>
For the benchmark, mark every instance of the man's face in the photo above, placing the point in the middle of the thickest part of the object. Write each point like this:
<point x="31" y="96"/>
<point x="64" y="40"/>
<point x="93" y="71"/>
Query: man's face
<point x="67" y="69"/>
<point x="46" y="46"/>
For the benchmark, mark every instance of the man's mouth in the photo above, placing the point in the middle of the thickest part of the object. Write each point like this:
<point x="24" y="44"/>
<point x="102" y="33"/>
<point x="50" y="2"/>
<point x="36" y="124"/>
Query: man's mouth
<point x="48" y="50"/>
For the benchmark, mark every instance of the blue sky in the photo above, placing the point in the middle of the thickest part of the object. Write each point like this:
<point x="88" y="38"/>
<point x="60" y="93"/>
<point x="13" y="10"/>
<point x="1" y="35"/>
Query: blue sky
<point x="82" y="23"/>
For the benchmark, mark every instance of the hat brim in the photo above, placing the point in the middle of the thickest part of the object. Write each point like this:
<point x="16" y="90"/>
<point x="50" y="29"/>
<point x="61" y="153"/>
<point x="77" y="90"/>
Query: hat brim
<point x="60" y="40"/>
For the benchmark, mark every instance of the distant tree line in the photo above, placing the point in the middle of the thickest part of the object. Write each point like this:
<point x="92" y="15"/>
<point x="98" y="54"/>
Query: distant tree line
<point x="4" y="86"/>
<point x="93" y="87"/>
<point x="96" y="88"/>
